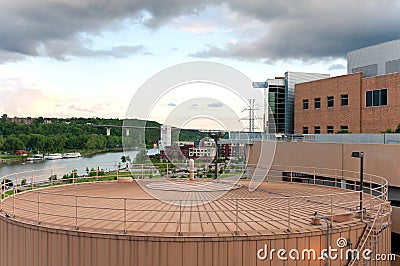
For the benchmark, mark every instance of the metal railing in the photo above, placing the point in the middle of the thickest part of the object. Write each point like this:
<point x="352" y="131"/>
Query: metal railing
<point x="280" y="210"/>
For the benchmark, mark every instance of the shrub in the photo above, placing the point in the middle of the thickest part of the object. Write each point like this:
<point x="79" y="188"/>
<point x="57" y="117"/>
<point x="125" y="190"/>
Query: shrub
<point x="343" y="132"/>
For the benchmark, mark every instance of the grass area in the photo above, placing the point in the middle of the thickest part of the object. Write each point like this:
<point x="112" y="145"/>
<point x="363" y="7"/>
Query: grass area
<point x="229" y="174"/>
<point x="93" y="152"/>
<point x="10" y="156"/>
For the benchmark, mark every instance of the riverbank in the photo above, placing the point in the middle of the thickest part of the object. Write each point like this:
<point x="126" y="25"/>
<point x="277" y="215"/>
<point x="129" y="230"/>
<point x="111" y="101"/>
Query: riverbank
<point x="94" y="152"/>
<point x="12" y="159"/>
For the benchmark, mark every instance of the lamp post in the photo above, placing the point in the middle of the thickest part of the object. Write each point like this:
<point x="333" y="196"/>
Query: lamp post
<point x="215" y="135"/>
<point x="359" y="154"/>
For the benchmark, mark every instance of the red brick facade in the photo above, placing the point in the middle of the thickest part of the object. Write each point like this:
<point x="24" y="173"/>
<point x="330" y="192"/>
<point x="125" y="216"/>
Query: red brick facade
<point x="356" y="116"/>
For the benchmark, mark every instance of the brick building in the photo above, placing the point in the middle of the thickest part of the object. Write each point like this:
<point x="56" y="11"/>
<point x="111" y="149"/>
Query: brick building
<point x="350" y="102"/>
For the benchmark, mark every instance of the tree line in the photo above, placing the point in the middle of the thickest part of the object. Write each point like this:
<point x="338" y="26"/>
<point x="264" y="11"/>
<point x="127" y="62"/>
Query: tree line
<point x="77" y="134"/>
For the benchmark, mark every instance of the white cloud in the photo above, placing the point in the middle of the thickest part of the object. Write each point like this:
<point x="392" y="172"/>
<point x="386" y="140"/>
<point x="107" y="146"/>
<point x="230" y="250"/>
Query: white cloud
<point x="198" y="28"/>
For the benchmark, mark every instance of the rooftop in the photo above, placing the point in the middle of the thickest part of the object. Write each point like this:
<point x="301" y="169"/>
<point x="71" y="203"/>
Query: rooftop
<point x="112" y="207"/>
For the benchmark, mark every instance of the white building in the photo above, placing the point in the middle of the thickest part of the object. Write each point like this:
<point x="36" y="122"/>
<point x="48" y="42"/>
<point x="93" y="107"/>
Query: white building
<point x="165" y="136"/>
<point x="376" y="60"/>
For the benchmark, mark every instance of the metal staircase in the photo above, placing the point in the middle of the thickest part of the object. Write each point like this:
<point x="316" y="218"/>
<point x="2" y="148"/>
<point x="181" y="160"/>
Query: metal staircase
<point x="377" y="220"/>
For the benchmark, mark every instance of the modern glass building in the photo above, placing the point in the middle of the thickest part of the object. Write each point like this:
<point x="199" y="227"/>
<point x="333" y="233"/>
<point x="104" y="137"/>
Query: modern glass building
<point x="376" y="60"/>
<point x="279" y="97"/>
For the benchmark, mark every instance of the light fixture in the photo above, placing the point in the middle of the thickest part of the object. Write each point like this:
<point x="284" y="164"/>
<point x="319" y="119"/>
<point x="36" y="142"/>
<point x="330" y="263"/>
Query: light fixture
<point x="360" y="154"/>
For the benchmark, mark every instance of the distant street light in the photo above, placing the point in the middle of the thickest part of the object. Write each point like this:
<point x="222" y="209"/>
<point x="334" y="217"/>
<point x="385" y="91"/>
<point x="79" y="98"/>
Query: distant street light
<point x="215" y="135"/>
<point x="359" y="154"/>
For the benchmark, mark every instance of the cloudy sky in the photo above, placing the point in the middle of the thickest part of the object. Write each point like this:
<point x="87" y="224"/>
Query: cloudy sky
<point x="61" y="58"/>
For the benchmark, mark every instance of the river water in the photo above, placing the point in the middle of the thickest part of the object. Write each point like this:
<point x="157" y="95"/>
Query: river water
<point x="109" y="159"/>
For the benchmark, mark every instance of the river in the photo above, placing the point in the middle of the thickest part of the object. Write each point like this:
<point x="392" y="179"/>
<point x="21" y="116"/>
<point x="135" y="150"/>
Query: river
<point x="101" y="159"/>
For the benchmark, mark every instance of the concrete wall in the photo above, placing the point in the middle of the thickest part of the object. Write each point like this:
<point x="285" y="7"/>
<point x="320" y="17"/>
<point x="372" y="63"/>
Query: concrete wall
<point x="379" y="159"/>
<point x="382" y="138"/>
<point x="396" y="219"/>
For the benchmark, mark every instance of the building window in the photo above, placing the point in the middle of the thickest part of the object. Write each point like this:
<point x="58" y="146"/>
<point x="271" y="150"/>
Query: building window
<point x="317" y="130"/>
<point x="305" y="130"/>
<point x="368" y="71"/>
<point x="376" y="98"/>
<point x="393" y="66"/>
<point x="305" y="104"/>
<point x="317" y="103"/>
<point x="344" y="98"/>
<point x="343" y="128"/>
<point x="329" y="129"/>
<point x="331" y="101"/>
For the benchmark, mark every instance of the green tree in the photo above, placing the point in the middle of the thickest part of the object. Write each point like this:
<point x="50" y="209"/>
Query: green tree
<point x="4" y="118"/>
<point x="2" y="142"/>
<point x="39" y="120"/>
<point x="37" y="142"/>
<point x="141" y="157"/>
<point x="13" y="143"/>
<point x="398" y="129"/>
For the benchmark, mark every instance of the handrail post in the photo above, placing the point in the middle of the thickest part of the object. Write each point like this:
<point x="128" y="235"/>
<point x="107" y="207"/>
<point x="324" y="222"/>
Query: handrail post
<point x="73" y="176"/>
<point x="16" y="184"/>
<point x="167" y="170"/>
<point x="331" y="210"/>
<point x="314" y="175"/>
<point x="1" y="196"/>
<point x="32" y="180"/>
<point x="142" y="172"/>
<point x="237" y="216"/>
<point x="38" y="207"/>
<point x="289" y="213"/>
<point x="336" y="177"/>
<point x="125" y="216"/>
<point x="13" y="206"/>
<point x="97" y="173"/>
<point x="76" y="212"/>
<point x="291" y="174"/>
<point x="362" y="208"/>
<point x="117" y="168"/>
<point x="180" y="218"/>
<point x="371" y="207"/>
<point x="51" y="176"/>
<point x="370" y="185"/>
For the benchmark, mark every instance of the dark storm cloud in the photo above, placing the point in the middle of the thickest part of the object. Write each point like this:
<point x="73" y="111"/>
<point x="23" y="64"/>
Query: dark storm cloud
<point x="30" y="28"/>
<point x="312" y="30"/>
<point x="62" y="49"/>
<point x="292" y="29"/>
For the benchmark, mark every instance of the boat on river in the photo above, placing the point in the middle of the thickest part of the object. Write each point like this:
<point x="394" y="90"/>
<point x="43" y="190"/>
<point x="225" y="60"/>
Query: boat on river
<point x="53" y="156"/>
<point x="71" y="155"/>
<point x="35" y="158"/>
